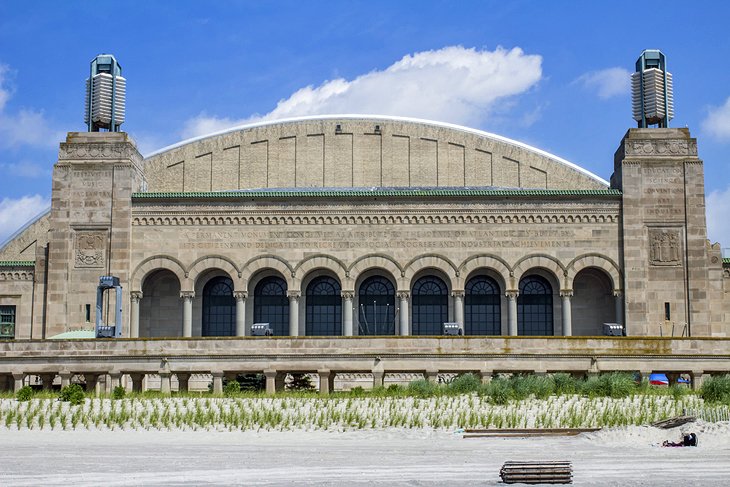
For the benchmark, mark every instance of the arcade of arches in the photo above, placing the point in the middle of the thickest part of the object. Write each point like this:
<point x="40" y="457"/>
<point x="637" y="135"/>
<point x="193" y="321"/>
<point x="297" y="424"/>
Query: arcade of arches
<point x="321" y="307"/>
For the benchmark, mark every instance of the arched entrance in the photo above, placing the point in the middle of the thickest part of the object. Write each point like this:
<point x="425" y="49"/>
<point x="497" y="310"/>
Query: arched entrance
<point x="271" y="305"/>
<point x="323" y="307"/>
<point x="482" y="314"/>
<point x="377" y="306"/>
<point x="593" y="303"/>
<point x="430" y="306"/>
<point x="535" y="307"/>
<point x="219" y="307"/>
<point x="160" y="311"/>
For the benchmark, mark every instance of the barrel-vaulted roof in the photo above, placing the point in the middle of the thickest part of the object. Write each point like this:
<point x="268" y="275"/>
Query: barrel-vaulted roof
<point x="358" y="151"/>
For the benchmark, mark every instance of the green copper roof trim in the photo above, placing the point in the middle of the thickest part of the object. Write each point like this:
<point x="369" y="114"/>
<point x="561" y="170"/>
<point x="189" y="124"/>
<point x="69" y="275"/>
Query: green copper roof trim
<point x="726" y="261"/>
<point x="17" y="263"/>
<point x="378" y="192"/>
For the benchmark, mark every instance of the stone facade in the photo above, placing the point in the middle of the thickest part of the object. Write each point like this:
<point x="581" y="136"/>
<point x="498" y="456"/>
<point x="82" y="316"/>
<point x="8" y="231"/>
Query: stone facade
<point x="560" y="251"/>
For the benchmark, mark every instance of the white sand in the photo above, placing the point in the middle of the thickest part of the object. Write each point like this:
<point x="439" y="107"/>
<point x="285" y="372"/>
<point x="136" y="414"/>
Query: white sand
<point x="623" y="456"/>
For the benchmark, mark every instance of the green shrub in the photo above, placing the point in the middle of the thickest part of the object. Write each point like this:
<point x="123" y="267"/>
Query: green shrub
<point x="25" y="393"/>
<point x="499" y="391"/>
<point x="565" y="383"/>
<point x="252" y="382"/>
<point x="614" y="384"/>
<point x="119" y="392"/>
<point x="678" y="391"/>
<point x="72" y="393"/>
<point x="464" y="384"/>
<point x="357" y="391"/>
<point x="422" y="388"/>
<point x="300" y="382"/>
<point x="232" y="388"/>
<point x="716" y="389"/>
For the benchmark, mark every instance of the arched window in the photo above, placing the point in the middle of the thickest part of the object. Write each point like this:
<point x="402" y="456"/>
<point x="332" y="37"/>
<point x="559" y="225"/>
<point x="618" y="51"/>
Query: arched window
<point x="430" y="306"/>
<point x="377" y="306"/>
<point x="535" y="307"/>
<point x="482" y="307"/>
<point x="219" y="308"/>
<point x="324" y="307"/>
<point x="271" y="305"/>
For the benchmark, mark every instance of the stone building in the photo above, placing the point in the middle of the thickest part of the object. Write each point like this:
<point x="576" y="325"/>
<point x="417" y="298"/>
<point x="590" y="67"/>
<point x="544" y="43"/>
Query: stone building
<point x="369" y="225"/>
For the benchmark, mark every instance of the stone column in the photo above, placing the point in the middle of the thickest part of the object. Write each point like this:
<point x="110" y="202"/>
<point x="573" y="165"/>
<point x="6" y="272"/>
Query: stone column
<point x="431" y="375"/>
<point x="135" y="296"/>
<point x="698" y="377"/>
<point x="183" y="382"/>
<point x="618" y="298"/>
<point x="645" y="374"/>
<point x="65" y="378"/>
<point x="165" y="386"/>
<point x="187" y="297"/>
<point x="403" y="310"/>
<point x="347" y="297"/>
<point x="458" y="307"/>
<point x="218" y="382"/>
<point x="294" y="312"/>
<point x="566" y="294"/>
<point x="486" y="376"/>
<point x="18" y="379"/>
<point x="270" y="381"/>
<point x="115" y="380"/>
<point x="378" y="378"/>
<point x="326" y="381"/>
<point x="240" y="312"/>
<point x="512" y="312"/>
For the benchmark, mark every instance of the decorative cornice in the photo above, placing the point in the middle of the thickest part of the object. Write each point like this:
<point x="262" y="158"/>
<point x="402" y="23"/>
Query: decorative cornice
<point x="136" y="296"/>
<point x="458" y="294"/>
<point x="403" y="295"/>
<point x="566" y="293"/>
<point x="294" y="294"/>
<point x="513" y="294"/>
<point x="347" y="294"/>
<point x="316" y="218"/>
<point x="240" y="295"/>
<point x="14" y="275"/>
<point x="17" y="263"/>
<point x="661" y="147"/>
<point x="187" y="294"/>
<point x="378" y="192"/>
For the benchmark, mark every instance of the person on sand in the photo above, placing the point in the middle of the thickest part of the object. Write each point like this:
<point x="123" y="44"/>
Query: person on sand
<point x="689" y="439"/>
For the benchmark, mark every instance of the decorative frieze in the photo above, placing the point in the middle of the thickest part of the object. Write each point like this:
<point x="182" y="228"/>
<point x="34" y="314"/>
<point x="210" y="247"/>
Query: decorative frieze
<point x="95" y="151"/>
<point x="458" y="219"/>
<point x="16" y="275"/>
<point x="662" y="147"/>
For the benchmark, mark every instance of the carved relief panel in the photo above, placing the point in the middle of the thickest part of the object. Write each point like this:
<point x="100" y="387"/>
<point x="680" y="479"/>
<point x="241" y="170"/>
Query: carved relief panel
<point x="665" y="247"/>
<point x="90" y="249"/>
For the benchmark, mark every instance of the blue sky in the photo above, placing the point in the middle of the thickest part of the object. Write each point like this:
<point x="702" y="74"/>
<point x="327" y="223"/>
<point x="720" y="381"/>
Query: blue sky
<point x="551" y="74"/>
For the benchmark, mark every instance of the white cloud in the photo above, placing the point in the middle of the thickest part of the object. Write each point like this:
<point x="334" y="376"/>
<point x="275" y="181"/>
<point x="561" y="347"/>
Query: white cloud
<point x="26" y="126"/>
<point x="14" y="213"/>
<point x="606" y="83"/>
<point x="452" y="84"/>
<point x="718" y="208"/>
<point x="717" y="122"/>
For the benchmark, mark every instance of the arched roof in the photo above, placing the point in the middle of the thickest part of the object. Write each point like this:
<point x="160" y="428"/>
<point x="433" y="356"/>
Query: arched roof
<point x="358" y="151"/>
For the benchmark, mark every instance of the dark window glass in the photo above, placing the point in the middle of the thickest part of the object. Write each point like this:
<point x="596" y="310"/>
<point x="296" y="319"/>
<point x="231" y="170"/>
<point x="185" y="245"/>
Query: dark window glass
<point x="219" y="308"/>
<point x="324" y="307"/>
<point x="7" y="322"/>
<point x="535" y="307"/>
<point x="482" y="307"/>
<point x="430" y="306"/>
<point x="377" y="307"/>
<point x="271" y="305"/>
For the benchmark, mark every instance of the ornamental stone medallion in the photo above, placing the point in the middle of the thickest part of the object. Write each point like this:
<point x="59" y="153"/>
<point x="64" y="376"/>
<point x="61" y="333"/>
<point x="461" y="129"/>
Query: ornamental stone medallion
<point x="664" y="247"/>
<point x="89" y="249"/>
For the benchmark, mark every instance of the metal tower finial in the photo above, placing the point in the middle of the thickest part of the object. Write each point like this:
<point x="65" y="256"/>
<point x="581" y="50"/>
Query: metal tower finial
<point x="651" y="90"/>
<point x="105" y="95"/>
